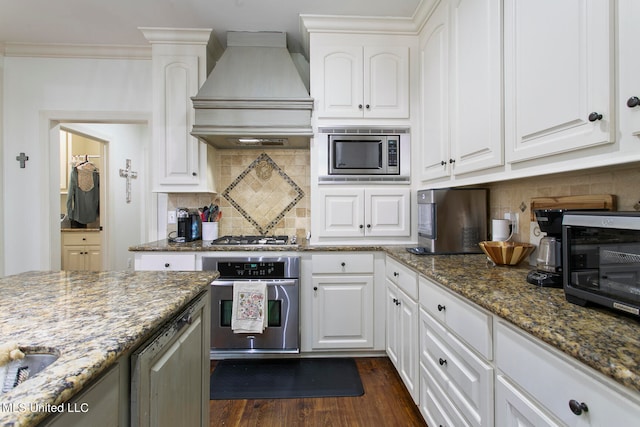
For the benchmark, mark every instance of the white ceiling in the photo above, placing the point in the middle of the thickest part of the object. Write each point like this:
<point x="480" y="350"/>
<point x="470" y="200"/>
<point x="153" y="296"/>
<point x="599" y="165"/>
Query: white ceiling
<point x="116" y="22"/>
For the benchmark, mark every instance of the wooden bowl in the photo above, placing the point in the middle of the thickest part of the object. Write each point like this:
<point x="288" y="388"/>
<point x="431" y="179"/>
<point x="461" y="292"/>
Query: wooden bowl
<point x="506" y="253"/>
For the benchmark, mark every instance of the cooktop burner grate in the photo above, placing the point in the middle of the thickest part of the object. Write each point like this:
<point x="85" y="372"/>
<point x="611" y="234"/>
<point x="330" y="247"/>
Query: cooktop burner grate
<point x="251" y="240"/>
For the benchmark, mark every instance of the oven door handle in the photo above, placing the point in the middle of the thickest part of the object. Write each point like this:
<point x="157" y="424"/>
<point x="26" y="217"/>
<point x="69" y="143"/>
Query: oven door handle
<point x="269" y="282"/>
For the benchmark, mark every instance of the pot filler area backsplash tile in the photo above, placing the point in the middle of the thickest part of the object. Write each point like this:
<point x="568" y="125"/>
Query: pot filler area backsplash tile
<point x="260" y="192"/>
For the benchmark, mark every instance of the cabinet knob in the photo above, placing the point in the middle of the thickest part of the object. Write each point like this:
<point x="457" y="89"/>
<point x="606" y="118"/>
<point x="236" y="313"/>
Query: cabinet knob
<point x="442" y="361"/>
<point x="367" y="107"/>
<point x="166" y="265"/>
<point x="396" y="274"/>
<point x="634" y="101"/>
<point x="84" y="238"/>
<point x="343" y="264"/>
<point x="441" y="307"/>
<point x="359" y="106"/>
<point x="578" y="407"/>
<point x="361" y="226"/>
<point x="452" y="161"/>
<point x="368" y="225"/>
<point x="595" y="116"/>
<point x="194" y="174"/>
<point x="395" y="301"/>
<point x="315" y="288"/>
<point x="442" y="162"/>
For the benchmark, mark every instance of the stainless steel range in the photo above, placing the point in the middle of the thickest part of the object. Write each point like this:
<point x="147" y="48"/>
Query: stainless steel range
<point x="282" y="278"/>
<point x="253" y="240"/>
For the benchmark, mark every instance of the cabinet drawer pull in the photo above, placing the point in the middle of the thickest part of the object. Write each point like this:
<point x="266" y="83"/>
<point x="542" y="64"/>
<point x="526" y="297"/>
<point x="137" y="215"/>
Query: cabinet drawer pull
<point x="578" y="407"/>
<point x="442" y="361"/>
<point x="634" y="101"/>
<point x="166" y="265"/>
<point x="595" y="116"/>
<point x="343" y="264"/>
<point x="441" y="307"/>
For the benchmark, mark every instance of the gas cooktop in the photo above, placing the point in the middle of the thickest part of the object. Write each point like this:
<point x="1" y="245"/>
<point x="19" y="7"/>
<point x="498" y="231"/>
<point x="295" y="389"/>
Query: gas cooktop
<point x="251" y="240"/>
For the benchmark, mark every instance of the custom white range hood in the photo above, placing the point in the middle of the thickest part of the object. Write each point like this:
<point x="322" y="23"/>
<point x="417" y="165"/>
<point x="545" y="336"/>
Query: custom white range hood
<point x="254" y="96"/>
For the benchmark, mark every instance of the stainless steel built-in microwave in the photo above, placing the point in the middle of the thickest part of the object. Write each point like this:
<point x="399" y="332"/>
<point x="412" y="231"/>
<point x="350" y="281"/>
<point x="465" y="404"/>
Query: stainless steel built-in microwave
<point x="366" y="155"/>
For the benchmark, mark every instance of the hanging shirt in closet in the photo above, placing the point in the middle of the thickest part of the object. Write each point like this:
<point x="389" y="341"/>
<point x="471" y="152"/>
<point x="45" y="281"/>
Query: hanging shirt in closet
<point x="83" y="199"/>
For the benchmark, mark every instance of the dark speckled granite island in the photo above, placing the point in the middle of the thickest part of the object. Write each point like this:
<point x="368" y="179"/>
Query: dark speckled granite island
<point x="89" y="319"/>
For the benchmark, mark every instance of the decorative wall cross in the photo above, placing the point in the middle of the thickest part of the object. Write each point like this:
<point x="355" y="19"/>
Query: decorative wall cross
<point x="129" y="175"/>
<point x="22" y="159"/>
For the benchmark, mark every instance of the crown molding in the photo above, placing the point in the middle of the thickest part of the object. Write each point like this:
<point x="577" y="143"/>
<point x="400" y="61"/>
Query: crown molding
<point x="365" y="24"/>
<point x="164" y="35"/>
<point x="76" y="51"/>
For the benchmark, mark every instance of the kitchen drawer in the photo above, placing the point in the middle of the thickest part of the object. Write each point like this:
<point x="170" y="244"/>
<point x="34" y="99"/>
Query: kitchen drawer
<point x="345" y="262"/>
<point x="168" y="262"/>
<point x="466" y="379"/>
<point x="404" y="277"/>
<point x="470" y="324"/>
<point x="435" y="406"/>
<point x="81" y="238"/>
<point x="553" y="380"/>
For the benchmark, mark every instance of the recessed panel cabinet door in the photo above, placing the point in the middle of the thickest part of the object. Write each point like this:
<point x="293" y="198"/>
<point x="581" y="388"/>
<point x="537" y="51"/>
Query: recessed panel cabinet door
<point x="338" y="87"/>
<point x="558" y="76"/>
<point x="434" y="63"/>
<point x="343" y="213"/>
<point x="629" y="68"/>
<point x="386" y="81"/>
<point x="179" y="155"/>
<point x="476" y="84"/>
<point x="387" y="212"/>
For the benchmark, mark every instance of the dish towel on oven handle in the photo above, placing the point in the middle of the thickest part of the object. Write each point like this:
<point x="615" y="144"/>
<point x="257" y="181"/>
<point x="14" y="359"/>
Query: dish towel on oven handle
<point x="249" y="309"/>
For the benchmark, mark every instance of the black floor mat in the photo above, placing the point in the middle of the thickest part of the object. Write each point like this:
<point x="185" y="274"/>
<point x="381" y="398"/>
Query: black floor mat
<point x="285" y="378"/>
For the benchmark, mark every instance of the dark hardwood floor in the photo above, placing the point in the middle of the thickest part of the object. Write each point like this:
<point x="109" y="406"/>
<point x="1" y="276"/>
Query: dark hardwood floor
<point x="386" y="402"/>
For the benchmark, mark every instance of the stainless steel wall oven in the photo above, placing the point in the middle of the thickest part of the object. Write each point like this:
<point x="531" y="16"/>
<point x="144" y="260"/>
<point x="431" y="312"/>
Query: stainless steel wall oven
<point x="282" y="277"/>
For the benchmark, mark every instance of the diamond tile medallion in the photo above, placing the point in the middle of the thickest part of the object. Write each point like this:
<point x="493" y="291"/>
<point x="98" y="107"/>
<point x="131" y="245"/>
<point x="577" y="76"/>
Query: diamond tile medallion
<point x="257" y="193"/>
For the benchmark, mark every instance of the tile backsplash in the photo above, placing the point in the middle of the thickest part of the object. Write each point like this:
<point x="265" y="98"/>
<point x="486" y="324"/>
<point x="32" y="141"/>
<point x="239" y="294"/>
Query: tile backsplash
<point x="509" y="196"/>
<point x="259" y="192"/>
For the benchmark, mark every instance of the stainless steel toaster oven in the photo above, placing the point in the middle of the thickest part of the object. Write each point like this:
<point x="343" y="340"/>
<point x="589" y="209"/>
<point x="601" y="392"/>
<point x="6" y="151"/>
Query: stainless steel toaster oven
<point x="601" y="259"/>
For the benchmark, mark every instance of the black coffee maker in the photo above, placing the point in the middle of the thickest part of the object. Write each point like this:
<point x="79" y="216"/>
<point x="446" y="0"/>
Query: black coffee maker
<point x="548" y="271"/>
<point x="189" y="225"/>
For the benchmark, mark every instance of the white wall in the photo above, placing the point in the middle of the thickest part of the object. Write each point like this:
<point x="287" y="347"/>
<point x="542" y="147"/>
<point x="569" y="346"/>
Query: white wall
<point x="54" y="87"/>
<point x="1" y="162"/>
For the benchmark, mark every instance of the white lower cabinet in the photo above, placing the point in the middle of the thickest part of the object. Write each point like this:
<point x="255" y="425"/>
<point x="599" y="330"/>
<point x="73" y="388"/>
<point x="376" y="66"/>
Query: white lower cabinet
<point x="465" y="378"/>
<point x="402" y="323"/>
<point x="456" y="373"/>
<point x="165" y="261"/>
<point x="514" y="409"/>
<point x="537" y="385"/>
<point x="342" y="301"/>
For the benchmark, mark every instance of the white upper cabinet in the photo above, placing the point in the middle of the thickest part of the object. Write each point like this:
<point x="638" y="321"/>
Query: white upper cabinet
<point x="559" y="78"/>
<point x="371" y="212"/>
<point x="364" y="80"/>
<point x="629" y="69"/>
<point x="475" y="82"/>
<point x="434" y="81"/>
<point x="179" y="68"/>
<point x="461" y="85"/>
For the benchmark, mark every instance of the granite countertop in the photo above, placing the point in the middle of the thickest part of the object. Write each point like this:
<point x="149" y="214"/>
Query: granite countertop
<point x="603" y="339"/>
<point x="600" y="338"/>
<point x="90" y="319"/>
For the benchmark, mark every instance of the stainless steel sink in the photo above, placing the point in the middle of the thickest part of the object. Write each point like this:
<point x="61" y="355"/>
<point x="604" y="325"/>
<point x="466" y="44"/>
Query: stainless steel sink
<point x="18" y="371"/>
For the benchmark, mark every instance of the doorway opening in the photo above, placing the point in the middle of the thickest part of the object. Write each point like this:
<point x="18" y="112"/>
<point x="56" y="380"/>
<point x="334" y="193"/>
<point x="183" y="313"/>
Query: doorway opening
<point x="83" y="191"/>
<point x="125" y="219"/>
